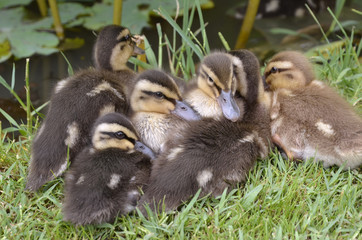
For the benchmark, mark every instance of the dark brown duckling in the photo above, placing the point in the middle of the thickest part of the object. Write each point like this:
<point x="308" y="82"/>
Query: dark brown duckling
<point x="105" y="179"/>
<point x="77" y="102"/>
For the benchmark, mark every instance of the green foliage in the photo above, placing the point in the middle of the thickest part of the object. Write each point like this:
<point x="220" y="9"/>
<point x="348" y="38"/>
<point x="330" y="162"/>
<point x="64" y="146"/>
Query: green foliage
<point x="23" y="37"/>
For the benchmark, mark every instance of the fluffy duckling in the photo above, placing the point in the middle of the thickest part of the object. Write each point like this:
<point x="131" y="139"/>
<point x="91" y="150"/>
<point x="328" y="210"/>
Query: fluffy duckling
<point x="309" y="119"/>
<point x="104" y="180"/>
<point x="211" y="94"/>
<point x="77" y="102"/>
<point x="158" y="108"/>
<point x="213" y="154"/>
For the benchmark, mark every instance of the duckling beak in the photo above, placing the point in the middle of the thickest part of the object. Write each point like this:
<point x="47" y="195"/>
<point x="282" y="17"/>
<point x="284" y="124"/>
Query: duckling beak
<point x="137" y="39"/>
<point x="140" y="147"/>
<point x="228" y="105"/>
<point x="185" y="111"/>
<point x="138" y="50"/>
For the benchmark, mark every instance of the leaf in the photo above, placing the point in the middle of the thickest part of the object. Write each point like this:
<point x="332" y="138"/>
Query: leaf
<point x="11" y="3"/>
<point x="24" y="44"/>
<point x="70" y="11"/>
<point x="11" y="18"/>
<point x="99" y="16"/>
<point x="5" y="49"/>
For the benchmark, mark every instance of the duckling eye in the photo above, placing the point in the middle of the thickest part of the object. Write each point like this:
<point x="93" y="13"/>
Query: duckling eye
<point x="210" y="80"/>
<point x="127" y="37"/>
<point x="119" y="135"/>
<point x="273" y="70"/>
<point x="159" y="95"/>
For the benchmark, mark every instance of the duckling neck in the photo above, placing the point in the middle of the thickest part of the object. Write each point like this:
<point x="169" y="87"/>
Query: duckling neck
<point x="203" y="104"/>
<point x="152" y="128"/>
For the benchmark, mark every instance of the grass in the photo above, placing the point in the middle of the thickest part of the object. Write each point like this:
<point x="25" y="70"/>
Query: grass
<point x="280" y="200"/>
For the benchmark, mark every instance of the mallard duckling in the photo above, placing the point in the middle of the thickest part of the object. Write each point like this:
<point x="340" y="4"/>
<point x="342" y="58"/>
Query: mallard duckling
<point x="106" y="176"/>
<point x="158" y="108"/>
<point x="213" y="154"/>
<point x="77" y="102"/>
<point x="309" y="118"/>
<point x="211" y="94"/>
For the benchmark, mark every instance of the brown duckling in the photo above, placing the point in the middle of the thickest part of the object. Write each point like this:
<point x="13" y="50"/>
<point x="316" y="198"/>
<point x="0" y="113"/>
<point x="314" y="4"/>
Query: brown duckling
<point x="105" y="178"/>
<point x="78" y="101"/>
<point x="211" y="94"/>
<point x="158" y="108"/>
<point x="309" y="118"/>
<point x="214" y="154"/>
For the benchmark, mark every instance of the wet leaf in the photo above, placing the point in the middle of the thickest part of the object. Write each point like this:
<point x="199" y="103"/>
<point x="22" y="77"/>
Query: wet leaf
<point x="11" y="3"/>
<point x="5" y="50"/>
<point x="27" y="43"/>
<point x="70" y="11"/>
<point x="11" y="18"/>
<point x="100" y="15"/>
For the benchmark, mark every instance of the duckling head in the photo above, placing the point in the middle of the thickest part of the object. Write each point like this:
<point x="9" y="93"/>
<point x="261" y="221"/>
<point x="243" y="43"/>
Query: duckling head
<point x="157" y="92"/>
<point x="249" y="84"/>
<point x="114" y="46"/>
<point x="114" y="130"/>
<point x="288" y="70"/>
<point x="216" y="79"/>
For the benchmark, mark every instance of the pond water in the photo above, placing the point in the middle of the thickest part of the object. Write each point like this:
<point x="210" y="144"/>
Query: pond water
<point x="45" y="71"/>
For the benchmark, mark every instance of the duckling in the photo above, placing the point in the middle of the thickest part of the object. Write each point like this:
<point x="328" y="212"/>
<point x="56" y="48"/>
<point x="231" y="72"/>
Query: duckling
<point x="158" y="109"/>
<point x="310" y="119"/>
<point x="211" y="94"/>
<point x="214" y="154"/>
<point x="104" y="180"/>
<point x="76" y="103"/>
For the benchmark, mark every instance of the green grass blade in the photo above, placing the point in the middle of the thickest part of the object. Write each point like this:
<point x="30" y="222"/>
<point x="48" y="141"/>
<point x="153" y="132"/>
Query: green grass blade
<point x="183" y="35"/>
<point x="9" y="118"/>
<point x="150" y="54"/>
<point x="13" y="77"/>
<point x="205" y="44"/>
<point x="70" y="68"/>
<point x="7" y="86"/>
<point x="138" y="62"/>
<point x="224" y="42"/>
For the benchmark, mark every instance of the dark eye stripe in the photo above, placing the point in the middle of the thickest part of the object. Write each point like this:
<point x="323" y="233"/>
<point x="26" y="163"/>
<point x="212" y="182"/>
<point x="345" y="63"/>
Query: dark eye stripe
<point x="152" y="94"/>
<point x="125" y="38"/>
<point x="111" y="134"/>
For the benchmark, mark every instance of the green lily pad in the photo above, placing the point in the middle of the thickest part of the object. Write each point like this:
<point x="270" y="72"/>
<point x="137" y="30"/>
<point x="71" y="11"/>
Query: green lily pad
<point x="11" y="3"/>
<point x="70" y="11"/>
<point x="5" y="50"/>
<point x="100" y="15"/>
<point x="26" y="43"/>
<point x="11" y="18"/>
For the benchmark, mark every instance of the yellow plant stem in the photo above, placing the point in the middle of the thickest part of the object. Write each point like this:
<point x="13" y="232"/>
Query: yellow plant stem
<point x="117" y="12"/>
<point x="247" y="24"/>
<point x="142" y="57"/>
<point x="56" y="18"/>
<point x="42" y="7"/>
<point x="28" y="100"/>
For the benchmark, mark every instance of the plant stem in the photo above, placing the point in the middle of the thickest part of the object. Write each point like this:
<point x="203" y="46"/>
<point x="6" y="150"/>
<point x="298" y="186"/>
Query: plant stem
<point x="42" y="7"/>
<point x="28" y="101"/>
<point x="56" y="18"/>
<point x="247" y="24"/>
<point x="117" y="12"/>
